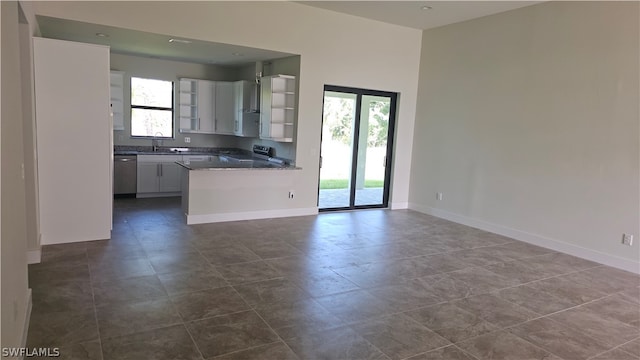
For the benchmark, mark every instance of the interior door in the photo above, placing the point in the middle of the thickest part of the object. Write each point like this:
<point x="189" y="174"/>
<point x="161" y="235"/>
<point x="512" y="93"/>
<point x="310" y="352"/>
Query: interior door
<point x="356" y="148"/>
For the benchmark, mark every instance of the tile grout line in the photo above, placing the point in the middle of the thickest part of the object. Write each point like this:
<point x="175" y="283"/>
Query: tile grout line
<point x="618" y="348"/>
<point x="272" y="329"/>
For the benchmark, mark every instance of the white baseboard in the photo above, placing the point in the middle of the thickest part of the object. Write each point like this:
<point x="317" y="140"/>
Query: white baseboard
<point x="249" y="215"/>
<point x="34" y="256"/>
<point x="553" y="244"/>
<point x="155" y="195"/>
<point x="399" y="205"/>
<point x="27" y="319"/>
<point x="105" y="235"/>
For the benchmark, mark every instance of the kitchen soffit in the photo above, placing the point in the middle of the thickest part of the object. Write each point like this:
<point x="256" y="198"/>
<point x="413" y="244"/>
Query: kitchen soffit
<point x="139" y="43"/>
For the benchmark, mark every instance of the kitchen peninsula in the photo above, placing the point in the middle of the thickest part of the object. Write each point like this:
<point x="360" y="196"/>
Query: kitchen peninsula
<point x="228" y="188"/>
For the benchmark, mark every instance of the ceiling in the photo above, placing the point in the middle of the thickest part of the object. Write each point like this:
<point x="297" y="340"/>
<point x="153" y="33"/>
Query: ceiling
<point x="132" y="42"/>
<point x="411" y="13"/>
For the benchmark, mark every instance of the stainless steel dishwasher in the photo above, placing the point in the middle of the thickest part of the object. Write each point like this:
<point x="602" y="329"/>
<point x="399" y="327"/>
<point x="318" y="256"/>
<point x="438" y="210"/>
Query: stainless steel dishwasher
<point x="125" y="169"/>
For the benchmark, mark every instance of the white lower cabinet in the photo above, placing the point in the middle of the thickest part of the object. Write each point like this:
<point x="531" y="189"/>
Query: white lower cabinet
<point x="158" y="175"/>
<point x="169" y="177"/>
<point x="148" y="177"/>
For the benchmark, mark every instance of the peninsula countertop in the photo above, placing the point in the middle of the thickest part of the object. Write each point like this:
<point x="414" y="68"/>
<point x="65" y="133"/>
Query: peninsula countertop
<point x="223" y="163"/>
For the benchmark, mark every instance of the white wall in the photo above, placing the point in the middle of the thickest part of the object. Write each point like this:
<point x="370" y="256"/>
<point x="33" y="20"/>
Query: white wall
<point x="528" y="124"/>
<point x="335" y="49"/>
<point x="13" y="249"/>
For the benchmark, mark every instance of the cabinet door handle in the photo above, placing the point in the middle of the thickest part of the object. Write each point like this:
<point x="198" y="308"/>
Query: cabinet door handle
<point x="161" y="172"/>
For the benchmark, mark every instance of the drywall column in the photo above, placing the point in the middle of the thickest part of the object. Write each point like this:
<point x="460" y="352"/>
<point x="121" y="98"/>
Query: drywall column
<point x="74" y="138"/>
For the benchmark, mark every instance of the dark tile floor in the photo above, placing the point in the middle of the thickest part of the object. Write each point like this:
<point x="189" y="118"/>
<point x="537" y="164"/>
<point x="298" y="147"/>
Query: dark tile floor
<point x="372" y="284"/>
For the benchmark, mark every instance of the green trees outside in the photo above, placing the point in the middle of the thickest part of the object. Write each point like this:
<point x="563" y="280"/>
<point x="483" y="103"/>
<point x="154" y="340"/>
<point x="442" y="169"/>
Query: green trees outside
<point x="339" y="114"/>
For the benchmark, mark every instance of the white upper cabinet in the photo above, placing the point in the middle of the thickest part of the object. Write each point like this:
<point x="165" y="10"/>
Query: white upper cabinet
<point x="224" y="108"/>
<point x="206" y="106"/>
<point x="117" y="99"/>
<point x="277" y="107"/>
<point x="246" y="119"/>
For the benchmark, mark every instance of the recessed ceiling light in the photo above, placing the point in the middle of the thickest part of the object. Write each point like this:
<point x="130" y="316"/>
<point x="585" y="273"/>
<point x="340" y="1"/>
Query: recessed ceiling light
<point x="181" y="41"/>
<point x="426" y="7"/>
<point x="237" y="54"/>
<point x="102" y="35"/>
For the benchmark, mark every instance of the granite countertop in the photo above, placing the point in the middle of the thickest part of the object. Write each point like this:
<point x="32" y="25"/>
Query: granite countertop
<point x="148" y="150"/>
<point x="221" y="158"/>
<point x="221" y="163"/>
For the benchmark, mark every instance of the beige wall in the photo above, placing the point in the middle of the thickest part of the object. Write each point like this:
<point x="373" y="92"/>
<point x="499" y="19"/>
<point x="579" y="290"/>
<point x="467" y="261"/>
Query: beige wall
<point x="13" y="249"/>
<point x="28" y="28"/>
<point x="528" y="124"/>
<point x="335" y="49"/>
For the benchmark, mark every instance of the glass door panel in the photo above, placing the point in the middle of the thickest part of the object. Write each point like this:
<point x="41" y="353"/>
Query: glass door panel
<point x="357" y="133"/>
<point x="338" y="122"/>
<point x="372" y="150"/>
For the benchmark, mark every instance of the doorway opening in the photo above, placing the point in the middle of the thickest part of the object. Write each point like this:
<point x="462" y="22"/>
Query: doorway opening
<point x="356" y="148"/>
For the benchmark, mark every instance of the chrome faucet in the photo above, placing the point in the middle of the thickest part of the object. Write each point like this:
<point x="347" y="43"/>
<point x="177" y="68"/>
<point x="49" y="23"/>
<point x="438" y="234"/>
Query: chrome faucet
<point x="155" y="142"/>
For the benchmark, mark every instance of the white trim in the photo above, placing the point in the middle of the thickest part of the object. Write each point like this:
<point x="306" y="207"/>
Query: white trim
<point x="249" y="215"/>
<point x="554" y="244"/>
<point x="51" y="241"/>
<point x="158" y="194"/>
<point x="399" y="205"/>
<point x="34" y="256"/>
<point x="27" y="319"/>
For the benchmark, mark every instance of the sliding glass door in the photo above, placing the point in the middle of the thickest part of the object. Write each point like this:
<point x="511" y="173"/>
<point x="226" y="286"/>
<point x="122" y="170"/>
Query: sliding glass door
<point x="357" y="133"/>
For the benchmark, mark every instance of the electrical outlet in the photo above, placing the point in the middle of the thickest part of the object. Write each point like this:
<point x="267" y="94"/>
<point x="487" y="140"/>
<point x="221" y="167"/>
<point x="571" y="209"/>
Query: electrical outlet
<point x="439" y="196"/>
<point x="627" y="239"/>
<point x="291" y="194"/>
<point x="187" y="139"/>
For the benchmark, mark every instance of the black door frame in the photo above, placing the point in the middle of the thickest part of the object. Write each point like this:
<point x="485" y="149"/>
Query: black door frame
<point x="356" y="142"/>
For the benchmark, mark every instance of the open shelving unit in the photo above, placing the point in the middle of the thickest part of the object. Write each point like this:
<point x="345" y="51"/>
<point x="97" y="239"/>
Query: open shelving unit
<point x="277" y="110"/>
<point x="117" y="99"/>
